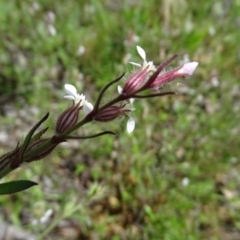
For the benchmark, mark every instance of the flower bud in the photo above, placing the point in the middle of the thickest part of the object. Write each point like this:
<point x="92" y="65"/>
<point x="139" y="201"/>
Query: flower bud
<point x="110" y="113"/>
<point x="68" y="118"/>
<point x="40" y="154"/>
<point x="185" y="70"/>
<point x="135" y="81"/>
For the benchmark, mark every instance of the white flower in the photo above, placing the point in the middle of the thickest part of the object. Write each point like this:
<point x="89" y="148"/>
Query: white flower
<point x="130" y="125"/>
<point x="129" y="106"/>
<point x="142" y="54"/>
<point x="87" y="107"/>
<point x="119" y="88"/>
<point x="185" y="182"/>
<point x="73" y="95"/>
<point x="51" y="30"/>
<point x="131" y="121"/>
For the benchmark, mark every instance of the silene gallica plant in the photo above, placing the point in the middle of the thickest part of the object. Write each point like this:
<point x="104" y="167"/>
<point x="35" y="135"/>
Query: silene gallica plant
<point x="146" y="82"/>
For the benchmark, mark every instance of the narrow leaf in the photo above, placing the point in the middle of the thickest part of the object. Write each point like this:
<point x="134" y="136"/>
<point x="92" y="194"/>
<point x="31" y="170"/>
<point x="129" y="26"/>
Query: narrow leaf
<point x="15" y="186"/>
<point x="39" y="134"/>
<point x="30" y="134"/>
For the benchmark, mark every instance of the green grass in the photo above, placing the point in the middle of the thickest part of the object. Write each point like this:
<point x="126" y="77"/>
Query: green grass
<point x="128" y="187"/>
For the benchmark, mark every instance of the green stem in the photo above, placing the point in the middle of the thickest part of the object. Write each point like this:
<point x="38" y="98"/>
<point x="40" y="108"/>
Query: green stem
<point x="91" y="136"/>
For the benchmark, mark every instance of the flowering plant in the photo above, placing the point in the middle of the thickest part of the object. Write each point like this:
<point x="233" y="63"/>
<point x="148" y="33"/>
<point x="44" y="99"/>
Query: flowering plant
<point x="144" y="83"/>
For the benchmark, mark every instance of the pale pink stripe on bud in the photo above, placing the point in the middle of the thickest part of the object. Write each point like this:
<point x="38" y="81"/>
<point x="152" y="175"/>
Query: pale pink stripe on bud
<point x="68" y="118"/>
<point x="135" y="81"/>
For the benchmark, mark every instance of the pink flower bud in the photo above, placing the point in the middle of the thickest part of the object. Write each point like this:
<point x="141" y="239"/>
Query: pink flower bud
<point x="110" y="113"/>
<point x="184" y="71"/>
<point x="188" y="68"/>
<point x="135" y="81"/>
<point x="68" y="118"/>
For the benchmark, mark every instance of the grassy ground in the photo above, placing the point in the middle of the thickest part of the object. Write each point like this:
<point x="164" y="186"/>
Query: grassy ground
<point x="177" y="176"/>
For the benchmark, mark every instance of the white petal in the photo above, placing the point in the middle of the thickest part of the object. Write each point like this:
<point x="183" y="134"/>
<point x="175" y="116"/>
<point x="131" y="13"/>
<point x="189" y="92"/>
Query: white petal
<point x="141" y="52"/>
<point x="151" y="67"/>
<point x="81" y="97"/>
<point x="69" y="97"/>
<point x="119" y="89"/>
<point x="188" y="68"/>
<point x="70" y="89"/>
<point x="52" y="30"/>
<point x="87" y="107"/>
<point x="135" y="64"/>
<point x="130" y="125"/>
<point x="131" y="100"/>
<point x="185" y="182"/>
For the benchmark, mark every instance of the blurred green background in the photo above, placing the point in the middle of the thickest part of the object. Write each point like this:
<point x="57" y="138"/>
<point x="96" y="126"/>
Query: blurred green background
<point x="177" y="176"/>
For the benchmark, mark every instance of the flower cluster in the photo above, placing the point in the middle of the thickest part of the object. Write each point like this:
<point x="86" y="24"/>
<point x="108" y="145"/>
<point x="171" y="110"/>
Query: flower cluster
<point x="145" y="82"/>
<point x="147" y="77"/>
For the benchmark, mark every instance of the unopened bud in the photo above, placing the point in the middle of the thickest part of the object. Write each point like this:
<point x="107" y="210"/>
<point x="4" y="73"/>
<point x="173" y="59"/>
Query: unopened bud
<point x="135" y="81"/>
<point x="184" y="71"/>
<point x="68" y="118"/>
<point x="41" y="153"/>
<point x="110" y="113"/>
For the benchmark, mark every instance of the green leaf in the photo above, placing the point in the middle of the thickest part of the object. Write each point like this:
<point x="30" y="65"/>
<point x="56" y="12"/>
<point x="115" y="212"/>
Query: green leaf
<point x="39" y="134"/>
<point x="15" y="186"/>
<point x="28" y="138"/>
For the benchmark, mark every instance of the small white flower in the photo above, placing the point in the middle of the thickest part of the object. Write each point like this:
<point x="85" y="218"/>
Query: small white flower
<point x="51" y="30"/>
<point x="119" y="88"/>
<point x="185" y="182"/>
<point x="73" y="95"/>
<point x="72" y="92"/>
<point x="142" y="54"/>
<point x="81" y="50"/>
<point x="131" y="121"/>
<point x="87" y="107"/>
<point x="130" y="125"/>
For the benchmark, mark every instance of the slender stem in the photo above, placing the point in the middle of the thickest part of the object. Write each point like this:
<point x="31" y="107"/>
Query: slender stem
<point x="104" y="90"/>
<point x="154" y="95"/>
<point x="91" y="136"/>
